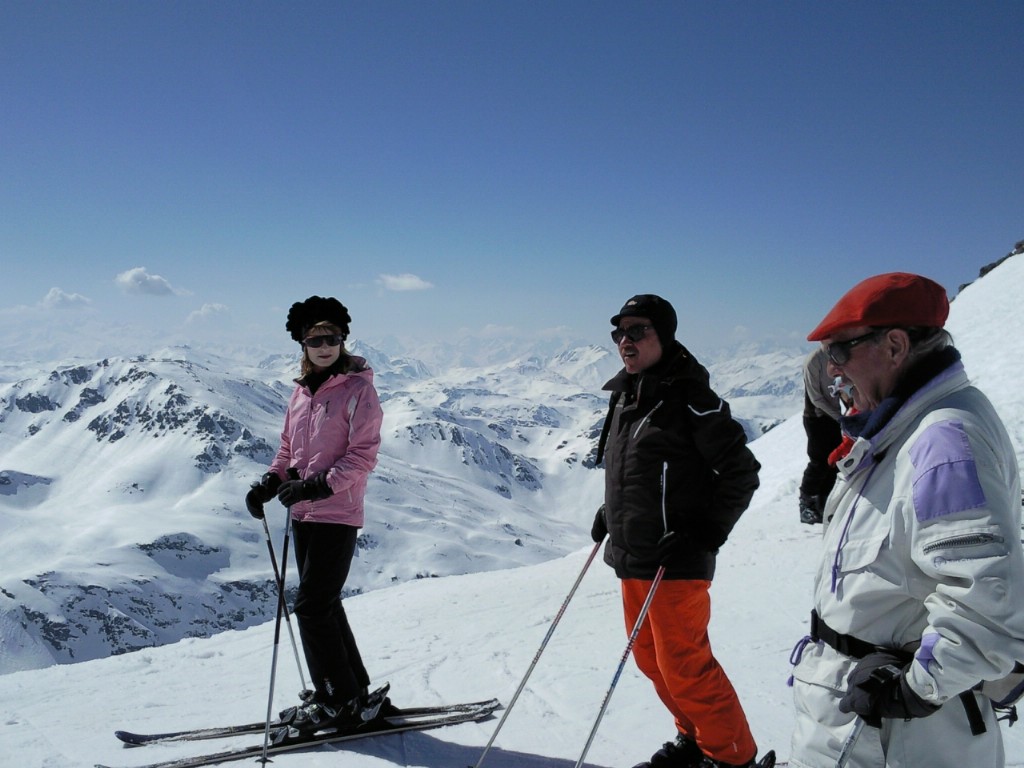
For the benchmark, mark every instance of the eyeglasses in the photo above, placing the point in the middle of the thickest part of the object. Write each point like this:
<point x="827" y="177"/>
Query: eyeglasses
<point x="633" y="333"/>
<point x="331" y="340"/>
<point x="839" y="351"/>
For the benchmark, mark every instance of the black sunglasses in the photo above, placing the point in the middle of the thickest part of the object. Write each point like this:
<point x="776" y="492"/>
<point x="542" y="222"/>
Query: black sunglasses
<point x="633" y="333"/>
<point x="331" y="340"/>
<point x="839" y="351"/>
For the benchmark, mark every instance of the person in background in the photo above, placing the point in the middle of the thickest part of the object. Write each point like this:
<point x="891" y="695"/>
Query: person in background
<point x="678" y="475"/>
<point x="919" y="596"/>
<point x="329" y="446"/>
<point x="821" y="425"/>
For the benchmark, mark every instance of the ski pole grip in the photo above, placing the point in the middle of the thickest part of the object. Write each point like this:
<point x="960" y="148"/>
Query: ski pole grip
<point x="293" y="473"/>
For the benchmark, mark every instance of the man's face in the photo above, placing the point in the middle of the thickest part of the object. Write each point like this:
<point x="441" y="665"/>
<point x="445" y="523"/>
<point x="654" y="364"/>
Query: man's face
<point x="871" y="364"/>
<point x="642" y="354"/>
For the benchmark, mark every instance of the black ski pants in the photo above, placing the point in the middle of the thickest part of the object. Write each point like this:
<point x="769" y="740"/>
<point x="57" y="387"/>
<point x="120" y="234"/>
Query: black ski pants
<point x="823" y="436"/>
<point x="323" y="554"/>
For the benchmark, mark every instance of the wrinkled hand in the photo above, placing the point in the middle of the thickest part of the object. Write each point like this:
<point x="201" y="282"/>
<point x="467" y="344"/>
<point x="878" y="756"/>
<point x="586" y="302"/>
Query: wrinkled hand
<point x="600" y="527"/>
<point x="293" y="491"/>
<point x="260" y="492"/>
<point x="877" y="688"/>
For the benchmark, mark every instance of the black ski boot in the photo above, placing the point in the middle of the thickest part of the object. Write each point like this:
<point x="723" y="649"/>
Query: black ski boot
<point x="319" y="715"/>
<point x="285" y="716"/>
<point x="371" y="705"/>
<point x="681" y="753"/>
<point x="768" y="761"/>
<point x="374" y="704"/>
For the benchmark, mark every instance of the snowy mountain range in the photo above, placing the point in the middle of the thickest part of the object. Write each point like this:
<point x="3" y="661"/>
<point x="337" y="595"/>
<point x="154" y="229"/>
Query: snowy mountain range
<point x="122" y="479"/>
<point x="456" y="638"/>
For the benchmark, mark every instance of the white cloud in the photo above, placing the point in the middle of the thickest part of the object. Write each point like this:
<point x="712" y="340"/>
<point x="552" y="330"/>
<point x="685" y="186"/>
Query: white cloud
<point x="139" y="281"/>
<point x="404" y="282"/>
<point x="59" y="299"/>
<point x="206" y="313"/>
<point x="492" y="331"/>
<point x="740" y="333"/>
<point x="495" y="331"/>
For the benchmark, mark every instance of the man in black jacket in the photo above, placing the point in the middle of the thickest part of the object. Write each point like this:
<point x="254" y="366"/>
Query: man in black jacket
<point x="678" y="475"/>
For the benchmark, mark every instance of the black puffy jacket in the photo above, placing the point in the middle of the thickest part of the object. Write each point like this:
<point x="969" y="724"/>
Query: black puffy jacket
<point x="668" y="422"/>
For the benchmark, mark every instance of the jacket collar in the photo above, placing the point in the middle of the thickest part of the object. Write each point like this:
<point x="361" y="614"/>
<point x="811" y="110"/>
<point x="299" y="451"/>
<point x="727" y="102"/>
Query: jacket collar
<point x="354" y="366"/>
<point x="874" y="431"/>
<point x="667" y="369"/>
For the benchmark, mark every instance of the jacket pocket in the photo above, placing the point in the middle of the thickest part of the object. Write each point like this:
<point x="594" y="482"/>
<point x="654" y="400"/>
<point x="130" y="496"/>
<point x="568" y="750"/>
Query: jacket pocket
<point x="822" y="666"/>
<point x="966" y="544"/>
<point x="860" y="552"/>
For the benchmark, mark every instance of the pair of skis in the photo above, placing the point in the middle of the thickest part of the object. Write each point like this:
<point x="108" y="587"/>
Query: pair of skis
<point x="400" y="720"/>
<point x="393" y="722"/>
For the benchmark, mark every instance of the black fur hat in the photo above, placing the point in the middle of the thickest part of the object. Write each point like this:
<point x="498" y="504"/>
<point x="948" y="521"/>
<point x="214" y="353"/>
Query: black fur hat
<point x="305" y="314"/>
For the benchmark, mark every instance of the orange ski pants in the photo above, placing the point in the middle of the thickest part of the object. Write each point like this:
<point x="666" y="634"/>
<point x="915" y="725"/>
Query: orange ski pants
<point x="673" y="650"/>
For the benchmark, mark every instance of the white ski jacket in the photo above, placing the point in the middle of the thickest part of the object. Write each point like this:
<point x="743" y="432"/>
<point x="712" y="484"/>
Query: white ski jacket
<point x="921" y="552"/>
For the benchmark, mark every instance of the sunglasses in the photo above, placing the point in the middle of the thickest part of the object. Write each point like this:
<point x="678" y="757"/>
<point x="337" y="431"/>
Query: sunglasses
<point x="331" y="340"/>
<point x="633" y="333"/>
<point x="839" y="351"/>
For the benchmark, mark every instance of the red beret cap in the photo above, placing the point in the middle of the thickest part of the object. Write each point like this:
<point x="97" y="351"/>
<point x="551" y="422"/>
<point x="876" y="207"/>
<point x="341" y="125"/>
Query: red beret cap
<point x="897" y="299"/>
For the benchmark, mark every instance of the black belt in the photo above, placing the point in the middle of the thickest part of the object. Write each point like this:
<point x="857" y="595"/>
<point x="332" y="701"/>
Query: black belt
<point x="855" y="648"/>
<point x="848" y="645"/>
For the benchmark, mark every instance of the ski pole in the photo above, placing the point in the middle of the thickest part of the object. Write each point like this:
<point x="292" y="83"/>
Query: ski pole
<point x="536" y="657"/>
<point x="879" y="677"/>
<point x="281" y="609"/>
<point x="287" y="614"/>
<point x="639" y="620"/>
<point x="847" y="750"/>
<point x="622" y="662"/>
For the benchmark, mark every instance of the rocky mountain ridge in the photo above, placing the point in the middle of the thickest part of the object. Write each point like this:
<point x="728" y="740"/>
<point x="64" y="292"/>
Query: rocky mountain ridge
<point x="121" y="483"/>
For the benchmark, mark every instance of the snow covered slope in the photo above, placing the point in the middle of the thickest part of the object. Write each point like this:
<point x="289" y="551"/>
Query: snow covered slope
<point x="473" y="636"/>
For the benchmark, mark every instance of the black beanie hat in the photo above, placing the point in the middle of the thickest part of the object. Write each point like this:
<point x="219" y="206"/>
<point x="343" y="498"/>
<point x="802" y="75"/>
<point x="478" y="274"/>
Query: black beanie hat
<point x="654" y="308"/>
<point x="305" y="314"/>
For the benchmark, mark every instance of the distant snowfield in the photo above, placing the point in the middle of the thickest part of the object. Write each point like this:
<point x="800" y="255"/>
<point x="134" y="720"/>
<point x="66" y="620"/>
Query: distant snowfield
<point x="471" y="637"/>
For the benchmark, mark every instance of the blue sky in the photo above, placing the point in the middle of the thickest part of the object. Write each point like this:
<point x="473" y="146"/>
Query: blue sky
<point x="175" y="171"/>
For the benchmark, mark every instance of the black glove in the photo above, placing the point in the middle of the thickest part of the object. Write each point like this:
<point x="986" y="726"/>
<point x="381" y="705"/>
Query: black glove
<point x="878" y="688"/>
<point x="293" y="491"/>
<point x="600" y="527"/>
<point x="668" y="546"/>
<point x="260" y="492"/>
<point x="706" y="535"/>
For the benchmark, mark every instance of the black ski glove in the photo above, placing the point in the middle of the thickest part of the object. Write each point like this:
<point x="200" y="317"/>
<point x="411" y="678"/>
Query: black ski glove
<point x="706" y="535"/>
<point x="315" y="488"/>
<point x="668" y="546"/>
<point x="878" y="688"/>
<point x="600" y="527"/>
<point x="260" y="492"/>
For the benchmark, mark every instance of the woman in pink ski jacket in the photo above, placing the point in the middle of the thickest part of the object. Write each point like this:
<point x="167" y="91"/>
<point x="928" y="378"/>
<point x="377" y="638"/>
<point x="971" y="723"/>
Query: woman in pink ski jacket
<point x="329" y="446"/>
